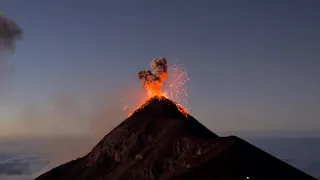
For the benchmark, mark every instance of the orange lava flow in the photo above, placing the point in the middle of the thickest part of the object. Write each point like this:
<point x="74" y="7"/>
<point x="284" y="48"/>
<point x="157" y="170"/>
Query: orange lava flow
<point x="162" y="97"/>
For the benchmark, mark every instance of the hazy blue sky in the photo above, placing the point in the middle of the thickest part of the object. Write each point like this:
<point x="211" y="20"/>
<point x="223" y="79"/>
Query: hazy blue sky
<point x="253" y="65"/>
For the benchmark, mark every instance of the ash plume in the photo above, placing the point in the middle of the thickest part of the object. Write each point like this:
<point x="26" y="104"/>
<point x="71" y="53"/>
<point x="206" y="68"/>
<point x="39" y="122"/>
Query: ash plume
<point x="9" y="33"/>
<point x="152" y="80"/>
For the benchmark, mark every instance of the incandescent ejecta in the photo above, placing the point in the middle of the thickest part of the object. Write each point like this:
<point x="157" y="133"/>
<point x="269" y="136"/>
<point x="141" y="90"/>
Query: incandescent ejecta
<point x="152" y="80"/>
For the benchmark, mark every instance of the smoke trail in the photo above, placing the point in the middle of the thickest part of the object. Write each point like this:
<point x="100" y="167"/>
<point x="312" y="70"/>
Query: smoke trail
<point x="9" y="33"/>
<point x="152" y="80"/>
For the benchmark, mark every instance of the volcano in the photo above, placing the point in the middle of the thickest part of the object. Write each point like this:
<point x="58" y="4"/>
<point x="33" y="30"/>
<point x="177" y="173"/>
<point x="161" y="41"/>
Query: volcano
<point x="158" y="141"/>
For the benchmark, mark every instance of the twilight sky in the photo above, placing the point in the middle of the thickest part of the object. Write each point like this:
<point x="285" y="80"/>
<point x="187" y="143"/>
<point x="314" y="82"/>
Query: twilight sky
<point x="253" y="65"/>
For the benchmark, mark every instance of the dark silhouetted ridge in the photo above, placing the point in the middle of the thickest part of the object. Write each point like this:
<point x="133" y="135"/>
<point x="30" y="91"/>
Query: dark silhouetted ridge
<point x="159" y="142"/>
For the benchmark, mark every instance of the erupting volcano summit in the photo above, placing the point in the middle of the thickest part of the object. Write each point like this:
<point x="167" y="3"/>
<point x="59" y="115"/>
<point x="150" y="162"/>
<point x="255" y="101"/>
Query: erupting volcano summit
<point x="160" y="140"/>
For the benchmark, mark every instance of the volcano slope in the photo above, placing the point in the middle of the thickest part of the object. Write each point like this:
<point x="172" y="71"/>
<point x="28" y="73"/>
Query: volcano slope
<point x="159" y="142"/>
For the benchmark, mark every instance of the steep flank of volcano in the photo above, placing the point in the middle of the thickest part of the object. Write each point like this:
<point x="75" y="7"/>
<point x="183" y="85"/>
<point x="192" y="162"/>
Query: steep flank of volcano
<point x="159" y="142"/>
<point x="155" y="101"/>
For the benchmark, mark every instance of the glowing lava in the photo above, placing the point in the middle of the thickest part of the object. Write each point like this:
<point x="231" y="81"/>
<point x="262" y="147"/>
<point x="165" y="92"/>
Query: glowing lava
<point x="176" y="86"/>
<point x="163" y="97"/>
<point x="174" y="89"/>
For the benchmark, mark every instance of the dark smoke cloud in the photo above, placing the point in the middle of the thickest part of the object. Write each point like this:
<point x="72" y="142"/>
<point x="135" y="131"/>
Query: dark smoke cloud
<point x="9" y="33"/>
<point x="152" y="80"/>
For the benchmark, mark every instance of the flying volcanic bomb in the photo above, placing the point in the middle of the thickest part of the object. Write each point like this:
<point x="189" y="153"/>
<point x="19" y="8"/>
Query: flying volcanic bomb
<point x="152" y="80"/>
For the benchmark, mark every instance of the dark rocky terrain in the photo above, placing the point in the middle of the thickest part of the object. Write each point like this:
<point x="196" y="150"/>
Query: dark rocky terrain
<point x="159" y="142"/>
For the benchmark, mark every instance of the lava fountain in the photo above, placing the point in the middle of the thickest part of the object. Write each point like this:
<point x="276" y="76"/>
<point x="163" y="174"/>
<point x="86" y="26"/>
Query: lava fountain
<point x="152" y="81"/>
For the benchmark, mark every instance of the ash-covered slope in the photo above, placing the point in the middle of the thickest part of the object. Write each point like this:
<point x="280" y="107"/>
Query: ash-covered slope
<point x="159" y="142"/>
